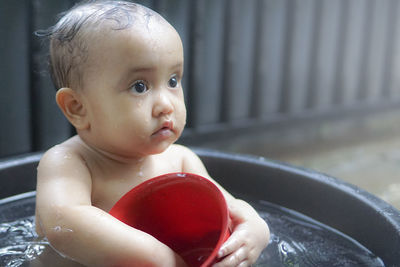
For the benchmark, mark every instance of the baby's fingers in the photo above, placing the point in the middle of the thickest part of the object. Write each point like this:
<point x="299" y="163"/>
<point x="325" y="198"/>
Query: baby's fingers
<point x="238" y="258"/>
<point x="231" y="245"/>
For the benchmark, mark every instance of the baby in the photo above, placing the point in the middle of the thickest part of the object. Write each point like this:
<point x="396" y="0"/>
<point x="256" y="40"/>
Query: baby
<point x="119" y="68"/>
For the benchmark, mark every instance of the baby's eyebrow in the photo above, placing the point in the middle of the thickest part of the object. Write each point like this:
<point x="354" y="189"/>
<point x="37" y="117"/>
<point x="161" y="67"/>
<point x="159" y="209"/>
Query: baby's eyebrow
<point x="149" y="69"/>
<point x="142" y="69"/>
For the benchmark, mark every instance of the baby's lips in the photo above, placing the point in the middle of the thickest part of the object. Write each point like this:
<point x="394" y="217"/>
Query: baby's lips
<point x="168" y="124"/>
<point x="165" y="126"/>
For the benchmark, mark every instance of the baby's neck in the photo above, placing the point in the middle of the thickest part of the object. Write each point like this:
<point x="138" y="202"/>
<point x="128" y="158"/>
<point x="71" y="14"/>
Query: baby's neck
<point x="114" y="159"/>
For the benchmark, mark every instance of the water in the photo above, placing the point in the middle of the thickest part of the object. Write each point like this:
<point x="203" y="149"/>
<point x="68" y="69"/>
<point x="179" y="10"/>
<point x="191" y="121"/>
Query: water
<point x="296" y="240"/>
<point x="20" y="243"/>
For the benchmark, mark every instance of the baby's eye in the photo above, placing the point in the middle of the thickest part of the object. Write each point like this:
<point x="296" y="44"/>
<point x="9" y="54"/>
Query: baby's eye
<point x="139" y="87"/>
<point x="173" y="82"/>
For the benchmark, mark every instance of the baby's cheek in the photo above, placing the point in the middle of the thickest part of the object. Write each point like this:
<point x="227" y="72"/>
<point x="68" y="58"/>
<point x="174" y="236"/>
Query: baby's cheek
<point x="180" y="114"/>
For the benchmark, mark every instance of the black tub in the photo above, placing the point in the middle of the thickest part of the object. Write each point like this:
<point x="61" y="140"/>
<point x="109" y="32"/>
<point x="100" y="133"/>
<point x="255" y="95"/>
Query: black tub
<point x="362" y="216"/>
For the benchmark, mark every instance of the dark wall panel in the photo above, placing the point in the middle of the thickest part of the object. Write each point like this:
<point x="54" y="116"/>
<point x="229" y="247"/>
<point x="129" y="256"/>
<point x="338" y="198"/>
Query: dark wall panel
<point x="269" y="56"/>
<point x="207" y="62"/>
<point x="15" y="110"/>
<point x="300" y="28"/>
<point x="239" y="65"/>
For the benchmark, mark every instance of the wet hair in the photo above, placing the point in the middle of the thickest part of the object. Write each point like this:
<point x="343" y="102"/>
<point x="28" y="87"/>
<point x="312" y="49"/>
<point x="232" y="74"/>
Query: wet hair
<point x="69" y="38"/>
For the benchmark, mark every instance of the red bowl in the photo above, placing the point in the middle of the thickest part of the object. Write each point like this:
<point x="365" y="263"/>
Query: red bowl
<point x="185" y="211"/>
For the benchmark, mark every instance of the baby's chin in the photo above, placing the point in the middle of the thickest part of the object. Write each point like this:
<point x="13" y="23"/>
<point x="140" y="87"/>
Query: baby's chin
<point x="160" y="148"/>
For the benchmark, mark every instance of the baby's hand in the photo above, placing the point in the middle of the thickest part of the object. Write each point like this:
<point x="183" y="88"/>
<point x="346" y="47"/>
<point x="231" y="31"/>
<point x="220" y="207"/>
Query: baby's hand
<point x="250" y="236"/>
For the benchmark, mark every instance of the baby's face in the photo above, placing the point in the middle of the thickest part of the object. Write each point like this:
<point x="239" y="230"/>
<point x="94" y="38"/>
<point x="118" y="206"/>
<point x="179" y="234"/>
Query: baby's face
<point x="132" y="90"/>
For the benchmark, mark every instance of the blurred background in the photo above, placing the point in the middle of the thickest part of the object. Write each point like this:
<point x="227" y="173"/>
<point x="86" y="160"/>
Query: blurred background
<point x="315" y="83"/>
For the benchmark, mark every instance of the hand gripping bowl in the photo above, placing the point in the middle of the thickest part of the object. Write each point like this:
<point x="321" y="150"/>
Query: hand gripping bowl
<point x="184" y="211"/>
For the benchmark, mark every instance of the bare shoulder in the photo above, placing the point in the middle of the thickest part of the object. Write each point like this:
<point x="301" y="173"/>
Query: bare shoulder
<point x="181" y="150"/>
<point x="63" y="161"/>
<point x="63" y="177"/>
<point x="189" y="160"/>
<point x="62" y="153"/>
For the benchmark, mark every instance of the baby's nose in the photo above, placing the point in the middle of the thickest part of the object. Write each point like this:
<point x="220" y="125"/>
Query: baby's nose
<point x="162" y="105"/>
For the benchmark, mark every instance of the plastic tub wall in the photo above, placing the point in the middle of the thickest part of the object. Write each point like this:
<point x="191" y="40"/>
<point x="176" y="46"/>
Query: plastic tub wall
<point x="364" y="217"/>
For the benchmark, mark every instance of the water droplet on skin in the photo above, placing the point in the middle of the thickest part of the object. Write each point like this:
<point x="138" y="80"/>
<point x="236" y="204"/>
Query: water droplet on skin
<point x="60" y="229"/>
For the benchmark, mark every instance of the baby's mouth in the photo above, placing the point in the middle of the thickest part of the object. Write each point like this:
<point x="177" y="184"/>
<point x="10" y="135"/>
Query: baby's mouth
<point x="166" y="129"/>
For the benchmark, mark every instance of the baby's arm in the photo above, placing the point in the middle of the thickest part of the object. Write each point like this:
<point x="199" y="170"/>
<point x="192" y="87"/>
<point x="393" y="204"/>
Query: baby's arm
<point x="83" y="232"/>
<point x="250" y="232"/>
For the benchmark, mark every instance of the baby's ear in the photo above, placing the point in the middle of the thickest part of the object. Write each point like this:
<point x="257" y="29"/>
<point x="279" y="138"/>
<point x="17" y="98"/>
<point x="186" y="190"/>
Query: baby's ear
<point x="71" y="105"/>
